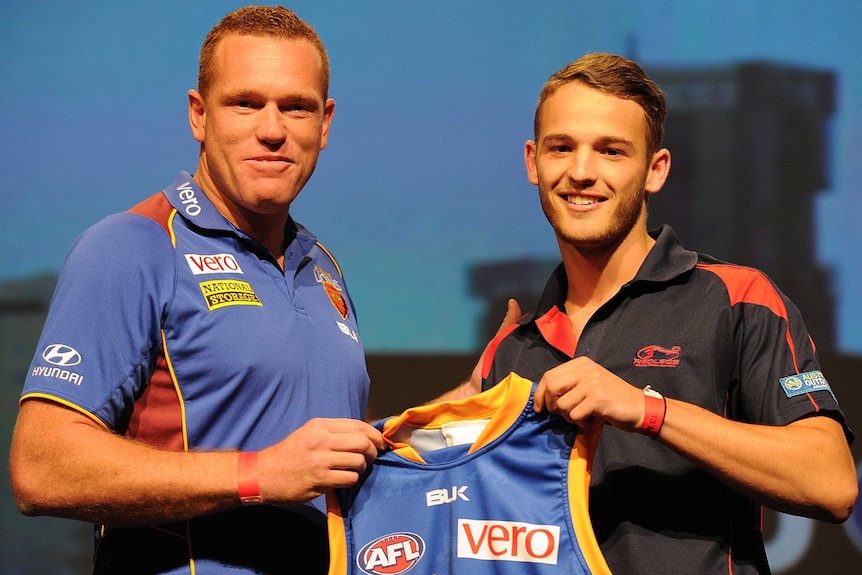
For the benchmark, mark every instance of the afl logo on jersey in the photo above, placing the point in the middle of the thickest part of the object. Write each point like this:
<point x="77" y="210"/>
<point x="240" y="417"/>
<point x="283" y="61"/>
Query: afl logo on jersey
<point x="62" y="355"/>
<point x="391" y="554"/>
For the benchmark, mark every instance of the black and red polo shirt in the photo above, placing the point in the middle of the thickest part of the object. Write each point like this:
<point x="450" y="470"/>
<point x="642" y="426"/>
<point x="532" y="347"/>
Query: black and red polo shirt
<point x="717" y="335"/>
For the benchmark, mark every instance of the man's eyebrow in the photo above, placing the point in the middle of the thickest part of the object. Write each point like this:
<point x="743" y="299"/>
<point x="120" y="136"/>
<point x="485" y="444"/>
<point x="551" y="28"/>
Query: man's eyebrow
<point x="238" y="94"/>
<point x="616" y="140"/>
<point x="308" y="98"/>
<point x="556" y="138"/>
<point x="604" y="140"/>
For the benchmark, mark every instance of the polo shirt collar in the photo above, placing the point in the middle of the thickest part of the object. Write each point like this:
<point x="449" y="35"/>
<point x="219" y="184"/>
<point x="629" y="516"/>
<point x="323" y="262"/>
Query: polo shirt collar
<point x="196" y="208"/>
<point x="666" y="260"/>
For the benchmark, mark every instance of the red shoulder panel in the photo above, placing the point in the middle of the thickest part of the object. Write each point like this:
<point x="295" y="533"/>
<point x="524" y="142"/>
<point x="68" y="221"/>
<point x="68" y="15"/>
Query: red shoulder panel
<point x="748" y="285"/>
<point x="158" y="209"/>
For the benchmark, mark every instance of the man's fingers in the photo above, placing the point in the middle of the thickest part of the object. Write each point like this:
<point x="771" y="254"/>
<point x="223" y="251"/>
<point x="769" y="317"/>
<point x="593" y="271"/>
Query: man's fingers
<point x="513" y="313"/>
<point x="539" y="398"/>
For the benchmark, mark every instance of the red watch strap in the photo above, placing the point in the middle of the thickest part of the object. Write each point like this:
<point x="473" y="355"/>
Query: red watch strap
<point x="247" y="486"/>
<point x="655" y="407"/>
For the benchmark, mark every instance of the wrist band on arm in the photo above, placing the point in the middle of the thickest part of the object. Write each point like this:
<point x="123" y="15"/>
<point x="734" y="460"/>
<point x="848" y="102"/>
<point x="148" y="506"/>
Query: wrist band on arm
<point x="249" y="491"/>
<point x="655" y="407"/>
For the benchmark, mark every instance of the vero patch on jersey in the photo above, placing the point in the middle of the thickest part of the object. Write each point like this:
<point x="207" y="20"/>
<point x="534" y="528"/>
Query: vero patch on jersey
<point x="391" y="554"/>
<point x="508" y="541"/>
<point x="213" y="264"/>
<point x="802" y="383"/>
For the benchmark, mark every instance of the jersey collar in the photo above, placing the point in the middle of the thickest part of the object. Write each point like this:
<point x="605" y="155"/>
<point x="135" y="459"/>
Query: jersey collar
<point x="193" y="204"/>
<point x="666" y="260"/>
<point x="195" y="207"/>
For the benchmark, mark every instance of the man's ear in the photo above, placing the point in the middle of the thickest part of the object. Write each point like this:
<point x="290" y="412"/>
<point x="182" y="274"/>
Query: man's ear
<point x="197" y="115"/>
<point x="530" y="162"/>
<point x="328" y="112"/>
<point x="657" y="171"/>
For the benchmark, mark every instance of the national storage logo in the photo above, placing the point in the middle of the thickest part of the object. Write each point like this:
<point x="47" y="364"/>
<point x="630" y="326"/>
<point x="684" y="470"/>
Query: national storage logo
<point x="222" y="293"/>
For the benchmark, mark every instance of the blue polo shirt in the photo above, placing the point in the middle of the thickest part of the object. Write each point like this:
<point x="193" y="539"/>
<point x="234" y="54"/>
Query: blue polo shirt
<point x="171" y="326"/>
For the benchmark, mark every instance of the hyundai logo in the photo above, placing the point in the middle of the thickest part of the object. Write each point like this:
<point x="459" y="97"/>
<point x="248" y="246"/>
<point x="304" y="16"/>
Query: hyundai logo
<point x="62" y="355"/>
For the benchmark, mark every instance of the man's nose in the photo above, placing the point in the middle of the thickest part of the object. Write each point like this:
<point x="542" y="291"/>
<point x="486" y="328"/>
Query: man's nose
<point x="271" y="127"/>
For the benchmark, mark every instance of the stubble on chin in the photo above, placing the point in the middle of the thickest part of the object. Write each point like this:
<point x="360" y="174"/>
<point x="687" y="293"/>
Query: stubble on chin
<point x="586" y="233"/>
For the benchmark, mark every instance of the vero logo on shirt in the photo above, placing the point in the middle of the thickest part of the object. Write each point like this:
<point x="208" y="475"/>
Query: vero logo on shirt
<point x="213" y="264"/>
<point x="508" y="541"/>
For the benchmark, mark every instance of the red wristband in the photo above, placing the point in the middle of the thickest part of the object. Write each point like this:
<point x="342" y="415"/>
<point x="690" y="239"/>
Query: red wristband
<point x="249" y="491"/>
<point x="655" y="407"/>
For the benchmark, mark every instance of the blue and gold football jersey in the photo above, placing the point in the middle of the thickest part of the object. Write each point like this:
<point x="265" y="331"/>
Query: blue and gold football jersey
<point x="477" y="486"/>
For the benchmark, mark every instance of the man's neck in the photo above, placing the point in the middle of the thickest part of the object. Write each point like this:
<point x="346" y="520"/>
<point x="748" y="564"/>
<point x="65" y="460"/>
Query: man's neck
<point x="595" y="276"/>
<point x="266" y="229"/>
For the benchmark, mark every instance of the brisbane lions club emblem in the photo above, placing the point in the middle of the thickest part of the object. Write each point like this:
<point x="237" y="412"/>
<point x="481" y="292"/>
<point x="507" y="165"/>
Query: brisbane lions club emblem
<point x="333" y="290"/>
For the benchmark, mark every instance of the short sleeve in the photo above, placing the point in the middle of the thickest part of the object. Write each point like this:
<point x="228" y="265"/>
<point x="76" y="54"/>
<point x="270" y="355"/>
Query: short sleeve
<point x="103" y="328"/>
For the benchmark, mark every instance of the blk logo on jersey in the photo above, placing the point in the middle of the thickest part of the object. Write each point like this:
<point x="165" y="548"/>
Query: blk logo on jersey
<point x="441" y="496"/>
<point x="508" y="541"/>
<point x="658" y="356"/>
<point x="213" y="264"/>
<point x="333" y="290"/>
<point x="391" y="554"/>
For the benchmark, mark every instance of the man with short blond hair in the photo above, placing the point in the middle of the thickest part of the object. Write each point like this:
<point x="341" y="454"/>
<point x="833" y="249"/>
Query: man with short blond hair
<point x="200" y="382"/>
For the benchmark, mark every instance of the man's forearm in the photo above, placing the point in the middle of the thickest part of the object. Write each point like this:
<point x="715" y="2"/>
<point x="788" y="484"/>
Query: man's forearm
<point x="79" y="471"/>
<point x="804" y="468"/>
